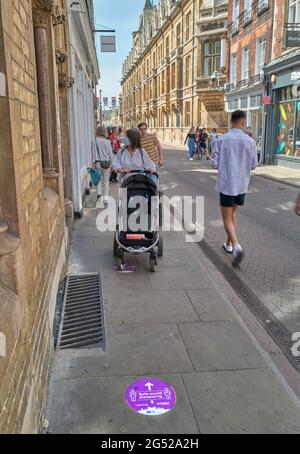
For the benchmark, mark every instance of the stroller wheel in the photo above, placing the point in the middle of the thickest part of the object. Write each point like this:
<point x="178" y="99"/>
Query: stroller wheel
<point x="121" y="260"/>
<point x="153" y="263"/>
<point x="160" y="246"/>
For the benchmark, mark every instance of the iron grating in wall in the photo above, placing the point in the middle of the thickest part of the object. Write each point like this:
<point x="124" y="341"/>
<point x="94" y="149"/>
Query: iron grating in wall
<point x="82" y="324"/>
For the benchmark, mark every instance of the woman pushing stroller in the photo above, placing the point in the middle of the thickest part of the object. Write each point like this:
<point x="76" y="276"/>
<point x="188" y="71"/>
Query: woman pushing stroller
<point x="141" y="181"/>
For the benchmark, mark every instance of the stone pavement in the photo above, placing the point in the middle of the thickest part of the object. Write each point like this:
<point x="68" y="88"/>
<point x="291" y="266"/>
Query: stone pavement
<point x="176" y="325"/>
<point x="280" y="174"/>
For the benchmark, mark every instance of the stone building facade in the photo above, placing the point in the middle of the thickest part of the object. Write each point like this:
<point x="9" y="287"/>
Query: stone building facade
<point x="163" y="81"/>
<point x="35" y="181"/>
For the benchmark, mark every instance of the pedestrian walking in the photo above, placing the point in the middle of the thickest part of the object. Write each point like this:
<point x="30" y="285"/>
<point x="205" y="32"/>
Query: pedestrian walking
<point x="102" y="158"/>
<point x="234" y="156"/>
<point x="198" y="133"/>
<point x="116" y="145"/>
<point x="204" y="143"/>
<point x="213" y="138"/>
<point x="151" y="145"/>
<point x="191" y="141"/>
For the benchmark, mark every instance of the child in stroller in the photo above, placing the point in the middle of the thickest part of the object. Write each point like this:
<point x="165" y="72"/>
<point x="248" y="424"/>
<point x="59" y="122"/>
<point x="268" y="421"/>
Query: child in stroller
<point x="139" y="195"/>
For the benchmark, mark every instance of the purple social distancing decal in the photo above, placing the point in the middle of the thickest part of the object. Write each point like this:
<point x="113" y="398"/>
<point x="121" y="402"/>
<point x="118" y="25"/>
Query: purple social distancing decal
<point x="151" y="397"/>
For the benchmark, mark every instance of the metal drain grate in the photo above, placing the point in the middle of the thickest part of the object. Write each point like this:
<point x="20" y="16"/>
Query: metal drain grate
<point x="272" y="325"/>
<point x="82" y="324"/>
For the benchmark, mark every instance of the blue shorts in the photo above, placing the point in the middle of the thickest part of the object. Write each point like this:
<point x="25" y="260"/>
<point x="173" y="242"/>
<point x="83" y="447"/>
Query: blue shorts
<point x="229" y="201"/>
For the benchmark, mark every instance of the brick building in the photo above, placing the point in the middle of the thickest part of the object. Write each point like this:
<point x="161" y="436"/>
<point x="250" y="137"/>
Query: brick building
<point x="282" y="144"/>
<point x="249" y="37"/>
<point x="35" y="180"/>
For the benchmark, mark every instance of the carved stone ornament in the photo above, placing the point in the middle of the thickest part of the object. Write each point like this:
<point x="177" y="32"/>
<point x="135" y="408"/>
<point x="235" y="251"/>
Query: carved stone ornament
<point x="59" y="15"/>
<point x="41" y="12"/>
<point x="65" y="81"/>
<point x="61" y="56"/>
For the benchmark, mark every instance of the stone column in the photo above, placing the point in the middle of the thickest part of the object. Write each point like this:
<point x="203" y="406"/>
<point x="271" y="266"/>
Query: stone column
<point x="42" y="11"/>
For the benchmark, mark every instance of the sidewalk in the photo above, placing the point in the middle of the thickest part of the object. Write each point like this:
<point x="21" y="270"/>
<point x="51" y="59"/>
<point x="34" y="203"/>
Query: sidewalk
<point x="175" y="325"/>
<point x="281" y="174"/>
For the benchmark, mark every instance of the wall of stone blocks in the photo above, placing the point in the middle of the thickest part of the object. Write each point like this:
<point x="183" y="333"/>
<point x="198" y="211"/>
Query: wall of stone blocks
<point x="32" y="251"/>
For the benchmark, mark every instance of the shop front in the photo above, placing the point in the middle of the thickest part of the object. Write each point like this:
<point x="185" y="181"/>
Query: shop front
<point x="283" y="143"/>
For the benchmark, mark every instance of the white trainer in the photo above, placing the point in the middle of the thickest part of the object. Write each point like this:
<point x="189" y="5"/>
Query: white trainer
<point x="238" y="255"/>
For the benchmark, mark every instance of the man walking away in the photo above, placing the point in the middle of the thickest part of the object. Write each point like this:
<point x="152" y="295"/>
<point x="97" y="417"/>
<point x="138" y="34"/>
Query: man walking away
<point x="151" y="145"/>
<point x="102" y="158"/>
<point x="234" y="156"/>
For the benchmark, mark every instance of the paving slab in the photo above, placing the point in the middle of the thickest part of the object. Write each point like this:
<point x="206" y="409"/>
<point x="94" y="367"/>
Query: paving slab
<point x="243" y="401"/>
<point x="91" y="260"/>
<point x="220" y="346"/>
<point x="132" y="350"/>
<point x="172" y="258"/>
<point x="97" y="406"/>
<point x="173" y="241"/>
<point x="180" y="278"/>
<point x="210" y="305"/>
<point x="140" y="307"/>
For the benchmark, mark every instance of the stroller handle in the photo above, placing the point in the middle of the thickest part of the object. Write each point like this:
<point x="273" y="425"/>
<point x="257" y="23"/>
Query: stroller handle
<point x="145" y="171"/>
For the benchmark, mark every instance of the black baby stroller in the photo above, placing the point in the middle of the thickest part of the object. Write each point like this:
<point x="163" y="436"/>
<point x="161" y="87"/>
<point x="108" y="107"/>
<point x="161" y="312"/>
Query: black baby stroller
<point x="141" y="206"/>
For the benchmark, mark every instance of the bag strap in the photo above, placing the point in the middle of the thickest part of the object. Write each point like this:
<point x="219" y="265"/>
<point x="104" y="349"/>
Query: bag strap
<point x="97" y="149"/>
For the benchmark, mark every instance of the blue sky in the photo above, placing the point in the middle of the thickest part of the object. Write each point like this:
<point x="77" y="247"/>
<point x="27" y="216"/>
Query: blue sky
<point x="123" y="16"/>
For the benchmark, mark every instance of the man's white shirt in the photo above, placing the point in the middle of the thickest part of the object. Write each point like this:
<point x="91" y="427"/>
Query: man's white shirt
<point x="234" y="155"/>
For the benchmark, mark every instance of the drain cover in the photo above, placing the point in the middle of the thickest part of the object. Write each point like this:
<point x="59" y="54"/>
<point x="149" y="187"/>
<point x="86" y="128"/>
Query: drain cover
<point x="82" y="324"/>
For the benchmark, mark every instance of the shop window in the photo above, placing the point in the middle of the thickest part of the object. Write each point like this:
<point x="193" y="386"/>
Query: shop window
<point x="211" y="57"/>
<point x="288" y="139"/>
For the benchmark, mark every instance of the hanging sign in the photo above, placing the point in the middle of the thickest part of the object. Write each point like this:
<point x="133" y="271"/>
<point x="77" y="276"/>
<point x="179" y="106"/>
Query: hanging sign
<point x="108" y="43"/>
<point x="266" y="100"/>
